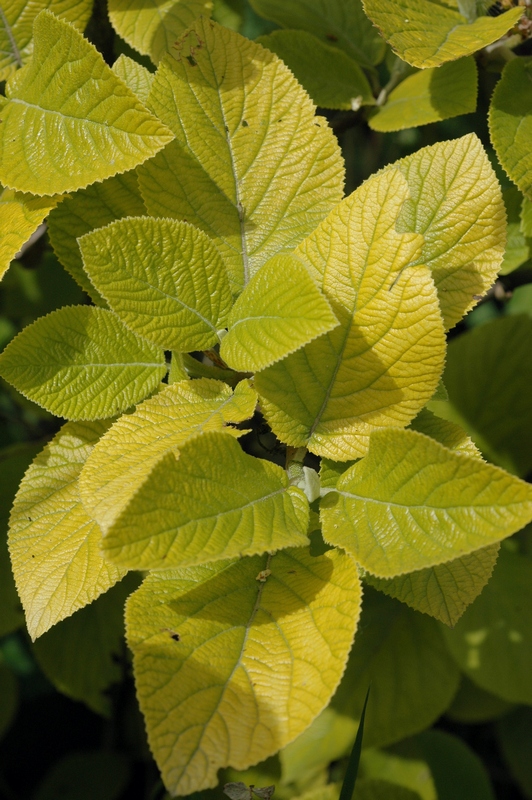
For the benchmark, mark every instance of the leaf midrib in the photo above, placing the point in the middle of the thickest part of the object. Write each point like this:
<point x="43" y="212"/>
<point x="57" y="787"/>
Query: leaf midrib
<point x="15" y="51"/>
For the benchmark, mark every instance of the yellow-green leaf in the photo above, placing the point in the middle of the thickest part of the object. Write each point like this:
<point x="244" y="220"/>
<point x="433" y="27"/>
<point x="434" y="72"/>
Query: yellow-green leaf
<point x="279" y="311"/>
<point x="383" y="362"/>
<point x="447" y="433"/>
<point x="229" y="668"/>
<point x="339" y="22"/>
<point x="134" y="75"/>
<point x="136" y="442"/>
<point x="510" y="120"/>
<point x="85" y="210"/>
<point x="153" y="28"/>
<point x="81" y="655"/>
<point x="430" y="96"/>
<point x="401" y="653"/>
<point x="88" y="123"/>
<point x="211" y="502"/>
<point x="164" y="279"/>
<point x="518" y="243"/>
<point x="21" y="215"/>
<point x="81" y="362"/>
<point x="252" y="166"/>
<point x="16" y="27"/>
<point x="426" y="33"/>
<point x="54" y="545"/>
<point x="330" y="76"/>
<point x="456" y="204"/>
<point x="412" y="503"/>
<point x="444" y="591"/>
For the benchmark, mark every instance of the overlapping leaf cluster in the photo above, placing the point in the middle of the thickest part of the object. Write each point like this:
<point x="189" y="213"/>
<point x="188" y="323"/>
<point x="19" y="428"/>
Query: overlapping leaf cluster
<point x="201" y="209"/>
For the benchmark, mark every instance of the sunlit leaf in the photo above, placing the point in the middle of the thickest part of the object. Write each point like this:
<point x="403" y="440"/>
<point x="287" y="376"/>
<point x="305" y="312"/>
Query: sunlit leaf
<point x="332" y="78"/>
<point x="445" y="432"/>
<point x="229" y="668"/>
<point x="54" y="545"/>
<point x="251" y="165"/>
<point x="279" y="311"/>
<point x="89" y="125"/>
<point x="134" y="75"/>
<point x="383" y="362"/>
<point x="21" y="215"/>
<point x="153" y="28"/>
<point x="81" y="362"/>
<point x="136" y="442"/>
<point x="430" y="96"/>
<point x="212" y="502"/>
<point x="426" y="33"/>
<point x="412" y="503"/>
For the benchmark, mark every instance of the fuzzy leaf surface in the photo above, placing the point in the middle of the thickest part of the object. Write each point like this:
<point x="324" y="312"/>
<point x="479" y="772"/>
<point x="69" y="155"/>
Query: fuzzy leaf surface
<point x="426" y="33"/>
<point x="87" y="124"/>
<point x="510" y="121"/>
<point x="330" y="76"/>
<point x="90" y="208"/>
<point x="21" y="215"/>
<point x="82" y="363"/>
<point x="255" y="663"/>
<point x="153" y="28"/>
<point x="210" y="503"/>
<point x="280" y="310"/>
<point x="340" y="22"/>
<point x="251" y="165"/>
<point x="412" y="503"/>
<point x="54" y="545"/>
<point x="445" y="591"/>
<point x="382" y="363"/>
<point x="136" y="442"/>
<point x="134" y="75"/>
<point x="16" y="27"/>
<point x="164" y="279"/>
<point x="430" y="96"/>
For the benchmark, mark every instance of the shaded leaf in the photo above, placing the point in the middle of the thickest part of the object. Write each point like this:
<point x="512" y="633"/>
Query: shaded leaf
<point x="412" y="503"/>
<point x="426" y="33"/>
<point x="515" y="740"/>
<point x="255" y="664"/>
<point x="8" y="698"/>
<point x="94" y="125"/>
<point x="383" y="362"/>
<point x="136" y="442"/>
<point x="134" y="75"/>
<point x="21" y="216"/>
<point x="238" y="113"/>
<point x="81" y="362"/>
<point x="447" y="433"/>
<point x="518" y="245"/>
<point x="430" y="96"/>
<point x="85" y="775"/>
<point x="279" y="311"/>
<point x="472" y="705"/>
<point x="54" y="545"/>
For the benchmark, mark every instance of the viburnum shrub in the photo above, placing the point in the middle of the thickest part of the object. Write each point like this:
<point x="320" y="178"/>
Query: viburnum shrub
<point x="255" y="414"/>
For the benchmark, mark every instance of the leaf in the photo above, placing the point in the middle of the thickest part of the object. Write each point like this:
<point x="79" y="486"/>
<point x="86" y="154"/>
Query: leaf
<point x="444" y="591"/>
<point x="510" y="121"/>
<point x="89" y="124"/>
<point x="330" y="76"/>
<point x="86" y="210"/>
<point x="382" y="790"/>
<point x="134" y="75"/>
<point x="238" y="791"/>
<point x="212" y="502"/>
<point x="412" y="503"/>
<point x="81" y="655"/>
<point x="86" y="775"/>
<point x="81" y="362"/>
<point x="277" y="169"/>
<point x="164" y="279"/>
<point x="430" y="96"/>
<point x="487" y="377"/>
<point x="518" y="246"/>
<point x="54" y="545"/>
<point x="16" y="27"/>
<point x="21" y="216"/>
<point x="350" y="778"/>
<point x="425" y="33"/>
<point x="515" y="740"/>
<point x="280" y="310"/>
<point x="402" y="655"/>
<point x="8" y="698"/>
<point x="526" y="217"/>
<point x="255" y="663"/>
<point x="400" y="769"/>
<point x="152" y="29"/>
<point x="446" y="433"/>
<point x="383" y="362"/>
<point x="341" y="22"/>
<point x="456" y="204"/>
<point x="136" y="442"/>
<point x="492" y="642"/>
<point x="472" y="705"/>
